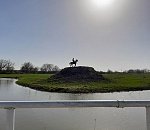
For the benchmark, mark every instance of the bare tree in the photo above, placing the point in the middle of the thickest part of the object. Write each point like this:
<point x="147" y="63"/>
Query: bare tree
<point x="36" y="69"/>
<point x="6" y="65"/>
<point x="27" y="67"/>
<point x="9" y="65"/>
<point x="56" y="68"/>
<point x="3" y="64"/>
<point x="49" y="67"/>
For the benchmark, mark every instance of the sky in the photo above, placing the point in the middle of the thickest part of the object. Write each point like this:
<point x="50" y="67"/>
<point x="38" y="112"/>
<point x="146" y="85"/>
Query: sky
<point x="113" y="35"/>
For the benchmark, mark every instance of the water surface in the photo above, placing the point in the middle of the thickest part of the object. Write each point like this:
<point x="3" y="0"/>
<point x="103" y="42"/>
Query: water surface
<point x="72" y="118"/>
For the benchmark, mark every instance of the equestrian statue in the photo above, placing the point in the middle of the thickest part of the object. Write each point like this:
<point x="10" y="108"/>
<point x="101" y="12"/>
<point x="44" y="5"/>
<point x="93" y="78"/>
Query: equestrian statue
<point x="74" y="62"/>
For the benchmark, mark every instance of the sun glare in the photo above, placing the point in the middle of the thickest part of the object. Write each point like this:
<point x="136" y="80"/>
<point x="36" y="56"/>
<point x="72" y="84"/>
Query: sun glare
<point x="102" y="3"/>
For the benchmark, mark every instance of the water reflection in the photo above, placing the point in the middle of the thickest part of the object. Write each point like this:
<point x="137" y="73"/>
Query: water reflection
<point x="76" y="118"/>
<point x="7" y="82"/>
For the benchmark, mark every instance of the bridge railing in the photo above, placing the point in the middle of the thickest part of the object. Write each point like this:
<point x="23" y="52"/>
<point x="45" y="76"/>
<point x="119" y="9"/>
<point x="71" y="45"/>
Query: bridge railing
<point x="10" y="106"/>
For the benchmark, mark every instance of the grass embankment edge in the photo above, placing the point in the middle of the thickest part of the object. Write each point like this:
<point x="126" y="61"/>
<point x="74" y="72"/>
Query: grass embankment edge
<point x="116" y="83"/>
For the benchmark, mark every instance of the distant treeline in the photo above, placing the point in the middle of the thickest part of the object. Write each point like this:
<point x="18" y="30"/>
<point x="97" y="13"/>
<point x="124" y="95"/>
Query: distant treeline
<point x="138" y="71"/>
<point x="6" y="66"/>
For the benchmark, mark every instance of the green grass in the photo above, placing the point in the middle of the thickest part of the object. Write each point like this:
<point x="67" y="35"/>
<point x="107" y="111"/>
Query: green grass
<point x="114" y="82"/>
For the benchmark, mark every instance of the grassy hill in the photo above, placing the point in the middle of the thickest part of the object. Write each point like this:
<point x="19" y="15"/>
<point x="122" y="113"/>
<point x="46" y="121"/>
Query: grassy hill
<point x="77" y="74"/>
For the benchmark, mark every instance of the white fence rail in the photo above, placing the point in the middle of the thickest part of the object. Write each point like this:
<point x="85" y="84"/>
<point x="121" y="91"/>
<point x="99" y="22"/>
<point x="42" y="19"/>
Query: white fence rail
<point x="12" y="105"/>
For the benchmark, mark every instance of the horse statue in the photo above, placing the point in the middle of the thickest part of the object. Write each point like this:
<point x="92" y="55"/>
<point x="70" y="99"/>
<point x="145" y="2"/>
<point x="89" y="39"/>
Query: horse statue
<point x="74" y="62"/>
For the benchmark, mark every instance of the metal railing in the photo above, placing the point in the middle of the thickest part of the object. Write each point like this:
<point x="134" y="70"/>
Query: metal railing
<point x="10" y="106"/>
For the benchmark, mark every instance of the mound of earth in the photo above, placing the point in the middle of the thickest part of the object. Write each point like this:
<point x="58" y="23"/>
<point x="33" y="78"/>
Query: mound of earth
<point x="80" y="73"/>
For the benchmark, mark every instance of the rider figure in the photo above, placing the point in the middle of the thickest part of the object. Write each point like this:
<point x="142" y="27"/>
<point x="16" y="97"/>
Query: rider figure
<point x="73" y="60"/>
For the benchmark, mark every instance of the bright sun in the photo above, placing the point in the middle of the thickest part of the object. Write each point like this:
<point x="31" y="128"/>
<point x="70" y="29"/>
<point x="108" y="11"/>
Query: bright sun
<point x="102" y="3"/>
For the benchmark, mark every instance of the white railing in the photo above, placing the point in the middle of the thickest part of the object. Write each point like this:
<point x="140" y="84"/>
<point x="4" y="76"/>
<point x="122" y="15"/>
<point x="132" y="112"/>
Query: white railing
<point x="10" y="106"/>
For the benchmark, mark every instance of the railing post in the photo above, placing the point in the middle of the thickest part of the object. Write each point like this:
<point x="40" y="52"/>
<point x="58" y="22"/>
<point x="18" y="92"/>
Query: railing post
<point x="148" y="117"/>
<point x="10" y="118"/>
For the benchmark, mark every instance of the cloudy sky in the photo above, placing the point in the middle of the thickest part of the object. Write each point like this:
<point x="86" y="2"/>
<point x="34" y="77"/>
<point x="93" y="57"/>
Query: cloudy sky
<point x="104" y="34"/>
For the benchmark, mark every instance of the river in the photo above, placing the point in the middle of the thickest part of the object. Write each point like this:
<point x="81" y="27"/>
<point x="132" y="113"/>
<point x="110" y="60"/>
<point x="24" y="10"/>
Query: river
<point x="72" y="118"/>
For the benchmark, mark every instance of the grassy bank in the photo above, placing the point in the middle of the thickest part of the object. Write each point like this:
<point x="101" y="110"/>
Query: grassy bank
<point x="114" y="82"/>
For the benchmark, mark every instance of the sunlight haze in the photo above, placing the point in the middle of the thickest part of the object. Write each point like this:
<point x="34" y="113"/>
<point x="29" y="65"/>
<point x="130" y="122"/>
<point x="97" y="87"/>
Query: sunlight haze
<point x="102" y="3"/>
<point x="104" y="34"/>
